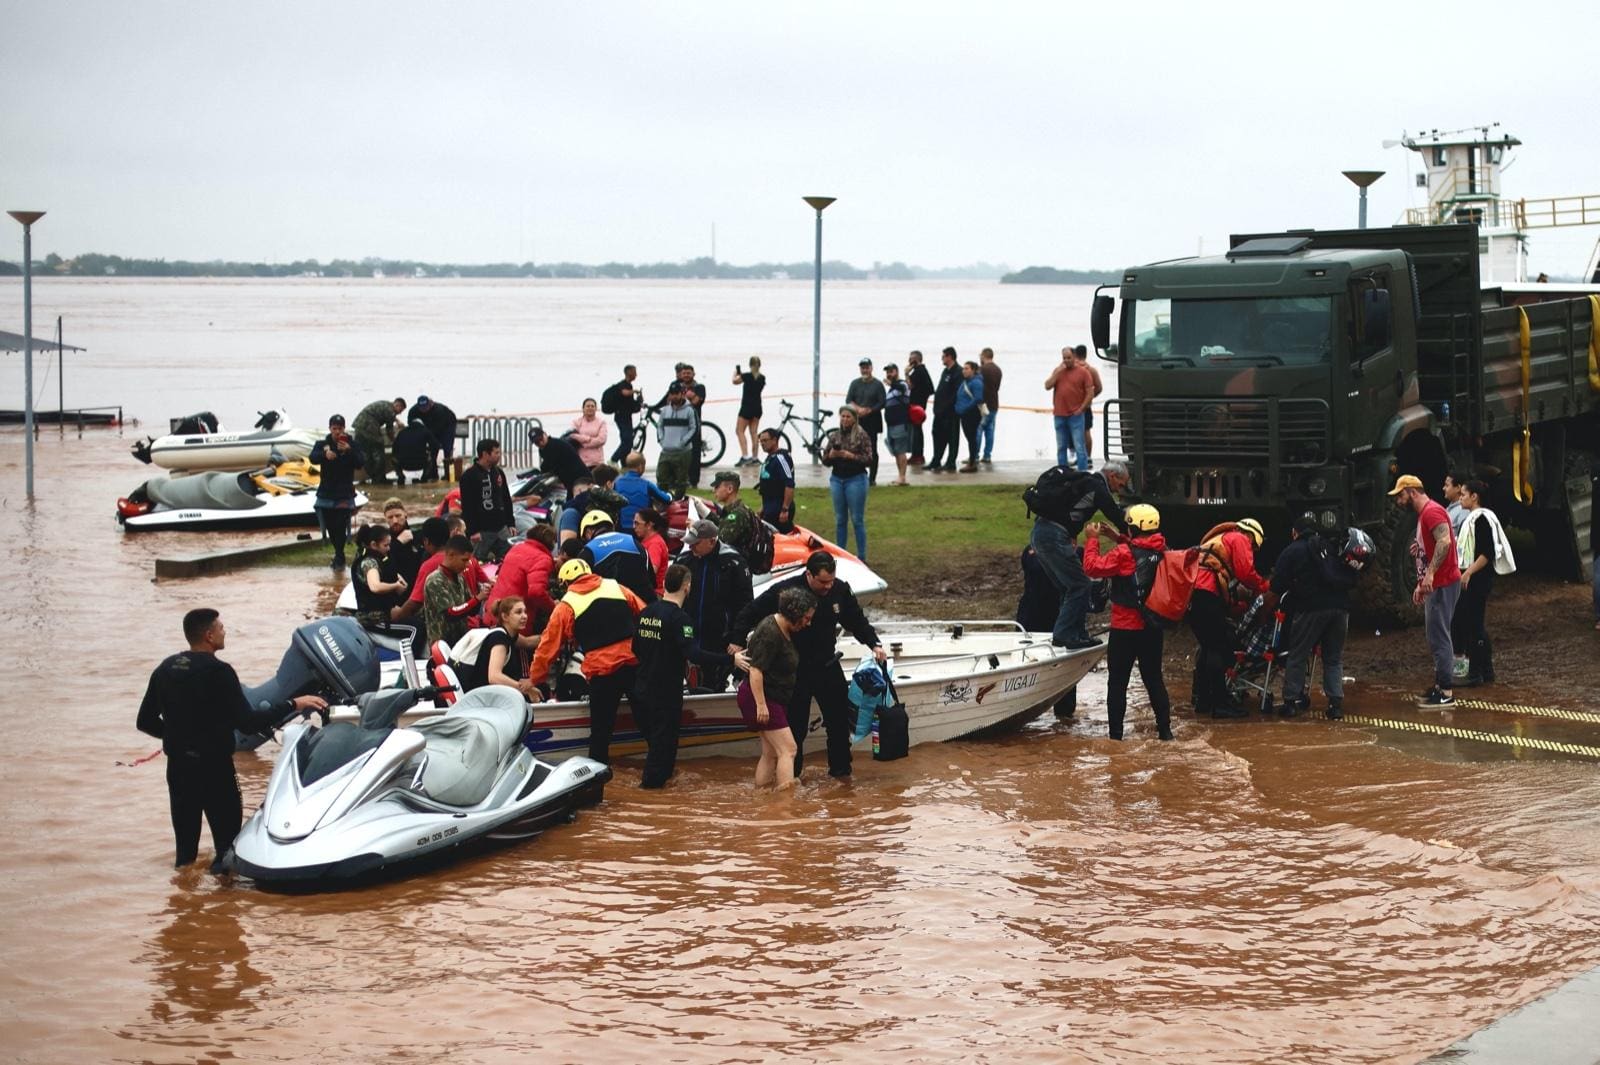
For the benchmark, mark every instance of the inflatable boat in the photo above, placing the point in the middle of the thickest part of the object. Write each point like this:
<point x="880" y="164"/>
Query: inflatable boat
<point x="279" y="496"/>
<point x="203" y="450"/>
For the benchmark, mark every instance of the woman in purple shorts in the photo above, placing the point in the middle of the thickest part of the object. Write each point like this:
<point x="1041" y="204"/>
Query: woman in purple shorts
<point x="764" y="696"/>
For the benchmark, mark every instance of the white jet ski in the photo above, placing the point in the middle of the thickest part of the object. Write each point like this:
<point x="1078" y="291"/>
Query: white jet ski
<point x="351" y="801"/>
<point x="277" y="496"/>
<point x="206" y="448"/>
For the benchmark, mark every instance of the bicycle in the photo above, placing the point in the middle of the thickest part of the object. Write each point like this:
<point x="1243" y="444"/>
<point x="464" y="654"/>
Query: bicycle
<point x="816" y="427"/>
<point x="713" y="442"/>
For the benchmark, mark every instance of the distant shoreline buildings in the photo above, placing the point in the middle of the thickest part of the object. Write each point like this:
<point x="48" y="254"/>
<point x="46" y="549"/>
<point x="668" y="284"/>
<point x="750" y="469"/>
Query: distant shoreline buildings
<point x="95" y="264"/>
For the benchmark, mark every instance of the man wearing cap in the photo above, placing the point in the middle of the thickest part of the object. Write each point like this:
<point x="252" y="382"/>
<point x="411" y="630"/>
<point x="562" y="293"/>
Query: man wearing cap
<point x="897" y="419"/>
<point x="920" y="384"/>
<point x="866" y="395"/>
<point x="736" y="522"/>
<point x="1438" y="584"/>
<point x="339" y="458"/>
<point x="374" y="430"/>
<point x="599" y="616"/>
<point x="616" y="555"/>
<point x="677" y="432"/>
<point x="558" y="457"/>
<point x="441" y="422"/>
<point x="720" y="590"/>
<point x="415" y="448"/>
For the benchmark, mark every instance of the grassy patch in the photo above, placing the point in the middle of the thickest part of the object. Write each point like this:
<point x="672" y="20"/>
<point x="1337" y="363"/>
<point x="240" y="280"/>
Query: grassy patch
<point x="947" y="551"/>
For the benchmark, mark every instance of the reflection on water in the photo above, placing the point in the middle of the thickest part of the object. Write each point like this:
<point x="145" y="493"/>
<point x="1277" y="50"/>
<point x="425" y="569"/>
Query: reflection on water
<point x="1264" y="892"/>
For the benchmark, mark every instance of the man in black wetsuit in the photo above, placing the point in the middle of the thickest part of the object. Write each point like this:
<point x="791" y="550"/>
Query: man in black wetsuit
<point x="192" y="705"/>
<point x="664" y="642"/>
<point x="820" y="676"/>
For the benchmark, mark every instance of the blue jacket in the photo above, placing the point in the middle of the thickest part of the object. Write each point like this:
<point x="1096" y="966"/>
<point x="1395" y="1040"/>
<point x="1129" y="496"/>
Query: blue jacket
<point x="638" y="490"/>
<point x="969" y="393"/>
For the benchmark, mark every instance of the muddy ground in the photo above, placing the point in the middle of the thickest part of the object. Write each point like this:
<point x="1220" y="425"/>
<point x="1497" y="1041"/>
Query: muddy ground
<point x="1547" y="650"/>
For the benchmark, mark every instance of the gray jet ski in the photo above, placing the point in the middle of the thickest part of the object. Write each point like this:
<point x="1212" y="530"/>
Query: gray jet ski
<point x="349" y="802"/>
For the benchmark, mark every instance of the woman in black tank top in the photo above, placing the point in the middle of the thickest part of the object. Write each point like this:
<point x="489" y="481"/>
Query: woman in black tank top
<point x="749" y="423"/>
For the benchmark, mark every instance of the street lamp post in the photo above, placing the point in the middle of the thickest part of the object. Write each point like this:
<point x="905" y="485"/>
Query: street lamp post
<point x="817" y="203"/>
<point x="27" y="218"/>
<point x="1361" y="179"/>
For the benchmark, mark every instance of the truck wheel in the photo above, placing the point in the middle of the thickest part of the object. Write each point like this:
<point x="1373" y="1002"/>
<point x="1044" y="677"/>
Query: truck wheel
<point x="1383" y="595"/>
<point x="1561" y="527"/>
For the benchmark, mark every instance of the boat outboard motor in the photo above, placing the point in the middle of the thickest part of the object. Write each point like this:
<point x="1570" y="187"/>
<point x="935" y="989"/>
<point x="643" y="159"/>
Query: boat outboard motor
<point x="333" y="657"/>
<point x="267" y="420"/>
<point x="193" y="424"/>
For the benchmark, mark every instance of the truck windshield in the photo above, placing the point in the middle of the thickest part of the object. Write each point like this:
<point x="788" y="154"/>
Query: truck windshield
<point x="1273" y="331"/>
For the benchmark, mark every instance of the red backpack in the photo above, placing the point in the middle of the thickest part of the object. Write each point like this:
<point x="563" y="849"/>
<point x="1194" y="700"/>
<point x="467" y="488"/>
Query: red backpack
<point x="1168" y="600"/>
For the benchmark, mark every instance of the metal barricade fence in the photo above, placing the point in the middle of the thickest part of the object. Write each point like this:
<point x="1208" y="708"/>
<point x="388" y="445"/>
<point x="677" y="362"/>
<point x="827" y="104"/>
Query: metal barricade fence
<point x="517" y="452"/>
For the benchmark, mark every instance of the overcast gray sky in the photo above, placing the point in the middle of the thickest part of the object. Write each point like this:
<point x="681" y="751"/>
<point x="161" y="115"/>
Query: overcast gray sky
<point x="1073" y="135"/>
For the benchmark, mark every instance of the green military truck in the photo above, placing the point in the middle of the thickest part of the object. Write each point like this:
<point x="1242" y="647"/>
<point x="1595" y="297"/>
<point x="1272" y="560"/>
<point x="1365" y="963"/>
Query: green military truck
<point x="1303" y="372"/>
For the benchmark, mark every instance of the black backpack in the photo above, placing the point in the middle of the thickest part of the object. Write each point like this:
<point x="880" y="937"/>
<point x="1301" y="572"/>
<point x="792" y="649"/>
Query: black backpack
<point x="1056" y="494"/>
<point x="759" y="550"/>
<point x="611" y="398"/>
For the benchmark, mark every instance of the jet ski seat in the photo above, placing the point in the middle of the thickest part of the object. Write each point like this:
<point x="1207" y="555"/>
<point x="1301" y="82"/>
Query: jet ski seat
<point x="466" y="744"/>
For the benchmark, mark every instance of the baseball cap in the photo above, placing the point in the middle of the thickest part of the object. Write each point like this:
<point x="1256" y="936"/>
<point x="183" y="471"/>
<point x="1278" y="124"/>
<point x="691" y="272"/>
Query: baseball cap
<point x="423" y="401"/>
<point x="335" y="419"/>
<point x="675" y="388"/>
<point x="699" y="530"/>
<point x="865" y="362"/>
<point x="1406" y="481"/>
<point x="726" y="475"/>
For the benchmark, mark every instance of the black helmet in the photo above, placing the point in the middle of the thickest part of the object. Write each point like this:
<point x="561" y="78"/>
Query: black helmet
<point x="1358" y="548"/>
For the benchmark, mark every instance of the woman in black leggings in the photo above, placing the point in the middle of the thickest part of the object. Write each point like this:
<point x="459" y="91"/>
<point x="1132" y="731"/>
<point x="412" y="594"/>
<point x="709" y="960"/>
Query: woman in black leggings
<point x="1131" y="565"/>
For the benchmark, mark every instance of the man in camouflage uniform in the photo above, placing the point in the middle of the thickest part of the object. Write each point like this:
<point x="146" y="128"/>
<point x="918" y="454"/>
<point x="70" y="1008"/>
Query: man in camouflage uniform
<point x="374" y="430"/>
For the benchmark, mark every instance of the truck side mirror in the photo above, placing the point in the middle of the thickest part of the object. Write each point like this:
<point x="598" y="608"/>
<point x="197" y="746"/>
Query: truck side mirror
<point x="1100" y="322"/>
<point x="1375" y="319"/>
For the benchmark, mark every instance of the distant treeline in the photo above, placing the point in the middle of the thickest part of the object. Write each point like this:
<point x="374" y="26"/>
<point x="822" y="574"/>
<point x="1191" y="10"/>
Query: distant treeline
<point x="1049" y="275"/>
<point x="94" y="264"/>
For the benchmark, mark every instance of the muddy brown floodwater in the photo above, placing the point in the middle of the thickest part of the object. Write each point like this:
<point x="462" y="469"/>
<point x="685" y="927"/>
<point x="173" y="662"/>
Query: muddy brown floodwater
<point x="1297" y="891"/>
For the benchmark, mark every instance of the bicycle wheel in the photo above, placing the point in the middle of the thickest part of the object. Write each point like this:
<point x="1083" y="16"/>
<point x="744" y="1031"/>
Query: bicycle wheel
<point x="640" y="435"/>
<point x="712" y="443"/>
<point x="784" y="443"/>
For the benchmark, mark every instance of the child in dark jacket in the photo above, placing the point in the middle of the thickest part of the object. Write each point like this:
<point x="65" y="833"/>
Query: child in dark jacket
<point x="1131" y="565"/>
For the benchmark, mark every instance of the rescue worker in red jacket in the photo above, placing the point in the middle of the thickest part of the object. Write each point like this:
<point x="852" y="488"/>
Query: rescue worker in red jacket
<point x="1209" y="617"/>
<point x="1131" y="564"/>
<point x="599" y="616"/>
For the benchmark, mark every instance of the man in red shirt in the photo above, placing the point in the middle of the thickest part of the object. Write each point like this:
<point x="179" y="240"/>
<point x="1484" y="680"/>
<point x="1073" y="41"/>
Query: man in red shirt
<point x="1438" y="584"/>
<point x="1073" y="389"/>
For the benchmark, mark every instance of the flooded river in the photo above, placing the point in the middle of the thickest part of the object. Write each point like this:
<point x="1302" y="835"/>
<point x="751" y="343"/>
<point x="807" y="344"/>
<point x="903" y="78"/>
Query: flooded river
<point x="1292" y="891"/>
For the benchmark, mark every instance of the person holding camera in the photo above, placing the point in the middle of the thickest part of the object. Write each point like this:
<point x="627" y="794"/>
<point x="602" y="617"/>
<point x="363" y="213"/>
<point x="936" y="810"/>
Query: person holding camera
<point x="339" y="458"/>
<point x="749" y="423"/>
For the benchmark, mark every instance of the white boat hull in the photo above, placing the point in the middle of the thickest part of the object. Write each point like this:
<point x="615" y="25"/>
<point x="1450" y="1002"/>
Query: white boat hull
<point x="275" y="512"/>
<point x="952" y="688"/>
<point x="230" y="451"/>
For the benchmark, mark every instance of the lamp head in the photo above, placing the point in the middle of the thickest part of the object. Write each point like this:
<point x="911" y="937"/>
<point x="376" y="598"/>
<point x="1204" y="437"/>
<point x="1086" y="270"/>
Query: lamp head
<point x="819" y="202"/>
<point x="28" y="218"/>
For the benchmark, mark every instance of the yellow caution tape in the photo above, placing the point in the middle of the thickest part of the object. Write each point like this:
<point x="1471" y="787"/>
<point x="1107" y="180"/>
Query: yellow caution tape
<point x="1522" y="453"/>
<point x="1537" y="711"/>
<point x="1428" y="728"/>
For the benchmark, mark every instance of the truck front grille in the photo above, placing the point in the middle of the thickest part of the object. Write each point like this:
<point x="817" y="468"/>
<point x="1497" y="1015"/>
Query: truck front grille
<point x="1230" y="430"/>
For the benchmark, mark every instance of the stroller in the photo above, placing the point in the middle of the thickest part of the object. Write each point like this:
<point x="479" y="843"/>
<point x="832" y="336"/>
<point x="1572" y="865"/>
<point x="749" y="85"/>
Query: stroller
<point x="1263" y="635"/>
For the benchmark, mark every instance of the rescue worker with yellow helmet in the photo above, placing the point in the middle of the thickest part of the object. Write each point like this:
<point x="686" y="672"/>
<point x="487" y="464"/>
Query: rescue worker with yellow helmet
<point x="599" y="616"/>
<point x="616" y="555"/>
<point x="1226" y="585"/>
<point x="1131" y="564"/>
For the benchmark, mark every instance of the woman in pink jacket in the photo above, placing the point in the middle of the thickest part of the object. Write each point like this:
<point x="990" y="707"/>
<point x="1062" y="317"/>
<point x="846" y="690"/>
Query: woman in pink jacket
<point x="589" y="434"/>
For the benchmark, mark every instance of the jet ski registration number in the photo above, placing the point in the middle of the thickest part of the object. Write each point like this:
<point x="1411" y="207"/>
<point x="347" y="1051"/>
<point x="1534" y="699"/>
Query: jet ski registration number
<point x="437" y="836"/>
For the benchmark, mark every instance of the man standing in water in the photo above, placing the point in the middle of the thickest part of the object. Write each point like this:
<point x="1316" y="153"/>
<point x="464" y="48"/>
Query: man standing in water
<point x="193" y="704"/>
<point x="1438" y="584"/>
